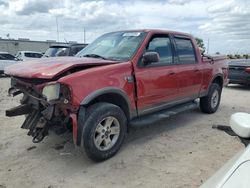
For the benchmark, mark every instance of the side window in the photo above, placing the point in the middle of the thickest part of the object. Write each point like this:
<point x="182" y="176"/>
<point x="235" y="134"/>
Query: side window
<point x="185" y="50"/>
<point x="162" y="46"/>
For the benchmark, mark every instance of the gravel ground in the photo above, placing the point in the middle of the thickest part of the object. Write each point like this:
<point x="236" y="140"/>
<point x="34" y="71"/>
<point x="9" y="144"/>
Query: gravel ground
<point x="182" y="151"/>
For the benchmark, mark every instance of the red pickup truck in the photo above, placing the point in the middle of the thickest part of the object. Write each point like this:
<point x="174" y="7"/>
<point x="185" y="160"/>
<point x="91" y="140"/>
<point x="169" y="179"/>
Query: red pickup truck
<point x="123" y="78"/>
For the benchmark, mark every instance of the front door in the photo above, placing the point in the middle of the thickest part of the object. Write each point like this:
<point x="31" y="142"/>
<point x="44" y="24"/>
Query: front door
<point x="157" y="83"/>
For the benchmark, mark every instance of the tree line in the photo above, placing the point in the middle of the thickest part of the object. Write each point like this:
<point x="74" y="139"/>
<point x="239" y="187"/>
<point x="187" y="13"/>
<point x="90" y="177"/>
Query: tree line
<point x="200" y="43"/>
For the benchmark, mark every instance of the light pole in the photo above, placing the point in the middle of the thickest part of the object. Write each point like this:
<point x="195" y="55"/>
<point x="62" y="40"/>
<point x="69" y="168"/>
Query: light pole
<point x="84" y="35"/>
<point x="57" y="31"/>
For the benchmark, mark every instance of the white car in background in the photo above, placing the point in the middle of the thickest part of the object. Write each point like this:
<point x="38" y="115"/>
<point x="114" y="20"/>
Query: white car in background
<point x="28" y="55"/>
<point x="236" y="172"/>
<point x="6" y="59"/>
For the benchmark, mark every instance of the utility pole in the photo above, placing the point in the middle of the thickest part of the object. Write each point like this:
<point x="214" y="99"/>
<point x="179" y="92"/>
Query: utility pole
<point x="57" y="29"/>
<point x="84" y="35"/>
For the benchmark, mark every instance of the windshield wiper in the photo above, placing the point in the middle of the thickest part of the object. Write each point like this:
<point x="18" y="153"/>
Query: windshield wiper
<point x="95" y="56"/>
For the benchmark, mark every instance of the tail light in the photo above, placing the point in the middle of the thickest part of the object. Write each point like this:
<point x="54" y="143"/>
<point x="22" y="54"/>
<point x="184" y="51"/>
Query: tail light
<point x="247" y="69"/>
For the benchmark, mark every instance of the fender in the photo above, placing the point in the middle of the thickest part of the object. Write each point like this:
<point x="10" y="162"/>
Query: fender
<point x="212" y="80"/>
<point x="103" y="91"/>
<point x="109" y="90"/>
<point x="87" y="100"/>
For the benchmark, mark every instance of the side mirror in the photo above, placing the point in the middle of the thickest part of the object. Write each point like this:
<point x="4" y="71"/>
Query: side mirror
<point x="150" y="57"/>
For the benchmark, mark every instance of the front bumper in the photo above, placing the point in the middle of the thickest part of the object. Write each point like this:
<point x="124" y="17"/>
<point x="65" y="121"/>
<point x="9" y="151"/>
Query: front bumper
<point x="41" y="115"/>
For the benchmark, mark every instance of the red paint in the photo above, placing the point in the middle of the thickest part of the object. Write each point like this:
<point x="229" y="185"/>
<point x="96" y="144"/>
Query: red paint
<point x="85" y="82"/>
<point x="152" y="86"/>
<point x="247" y="70"/>
<point x="49" y="68"/>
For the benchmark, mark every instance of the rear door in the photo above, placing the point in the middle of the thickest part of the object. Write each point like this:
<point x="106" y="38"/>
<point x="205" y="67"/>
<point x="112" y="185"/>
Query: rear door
<point x="157" y="83"/>
<point x="189" y="70"/>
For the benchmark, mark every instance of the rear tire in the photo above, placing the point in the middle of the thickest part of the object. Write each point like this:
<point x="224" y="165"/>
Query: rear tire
<point x="104" y="131"/>
<point x="210" y="103"/>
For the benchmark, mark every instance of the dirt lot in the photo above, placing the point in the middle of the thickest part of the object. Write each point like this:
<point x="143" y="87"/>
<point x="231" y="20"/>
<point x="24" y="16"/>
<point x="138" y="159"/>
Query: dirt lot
<point x="182" y="151"/>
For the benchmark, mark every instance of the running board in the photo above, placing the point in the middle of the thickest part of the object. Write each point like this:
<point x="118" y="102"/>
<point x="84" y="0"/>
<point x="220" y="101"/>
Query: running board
<point x="163" y="114"/>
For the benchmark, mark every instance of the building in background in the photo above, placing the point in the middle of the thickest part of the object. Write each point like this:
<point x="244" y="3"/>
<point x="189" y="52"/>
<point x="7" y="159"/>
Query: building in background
<point x="12" y="46"/>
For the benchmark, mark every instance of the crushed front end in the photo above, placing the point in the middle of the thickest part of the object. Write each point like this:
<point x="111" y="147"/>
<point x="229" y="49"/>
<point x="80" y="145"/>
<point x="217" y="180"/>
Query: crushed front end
<point x="46" y="105"/>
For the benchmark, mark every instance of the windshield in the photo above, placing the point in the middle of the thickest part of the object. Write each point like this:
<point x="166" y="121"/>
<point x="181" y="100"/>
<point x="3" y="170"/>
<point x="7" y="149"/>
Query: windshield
<point x="114" y="46"/>
<point x="6" y="57"/>
<point x="56" y="51"/>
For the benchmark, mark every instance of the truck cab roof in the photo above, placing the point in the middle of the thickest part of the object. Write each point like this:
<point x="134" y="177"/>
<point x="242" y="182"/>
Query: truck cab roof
<point x="157" y="31"/>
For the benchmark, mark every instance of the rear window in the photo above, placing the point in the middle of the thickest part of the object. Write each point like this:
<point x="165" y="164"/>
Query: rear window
<point x="33" y="55"/>
<point x="185" y="50"/>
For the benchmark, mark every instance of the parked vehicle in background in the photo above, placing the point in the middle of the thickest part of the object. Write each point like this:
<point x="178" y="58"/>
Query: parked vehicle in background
<point x="6" y="59"/>
<point x="28" y="55"/>
<point x="239" y="71"/>
<point x="235" y="173"/>
<point x="123" y="78"/>
<point x="64" y="50"/>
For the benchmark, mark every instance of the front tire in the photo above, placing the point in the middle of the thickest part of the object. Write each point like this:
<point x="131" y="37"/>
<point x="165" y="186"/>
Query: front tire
<point x="210" y="103"/>
<point x="104" y="131"/>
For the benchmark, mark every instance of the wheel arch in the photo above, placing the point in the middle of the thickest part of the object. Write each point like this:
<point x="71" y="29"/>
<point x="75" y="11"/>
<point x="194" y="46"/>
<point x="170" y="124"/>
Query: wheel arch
<point x="111" y="95"/>
<point x="218" y="79"/>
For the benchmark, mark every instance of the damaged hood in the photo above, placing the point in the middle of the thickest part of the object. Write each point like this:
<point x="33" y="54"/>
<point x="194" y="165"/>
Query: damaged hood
<point x="49" y="68"/>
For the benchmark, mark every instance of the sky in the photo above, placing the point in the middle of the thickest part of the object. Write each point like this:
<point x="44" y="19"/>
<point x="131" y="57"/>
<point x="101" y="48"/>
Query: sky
<point x="224" y="23"/>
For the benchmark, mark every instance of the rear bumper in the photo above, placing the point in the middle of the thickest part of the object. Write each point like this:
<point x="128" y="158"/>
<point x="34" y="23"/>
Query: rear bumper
<point x="239" y="78"/>
<point x="234" y="81"/>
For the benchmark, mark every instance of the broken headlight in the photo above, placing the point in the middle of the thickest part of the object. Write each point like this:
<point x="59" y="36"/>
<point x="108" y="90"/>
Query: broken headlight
<point x="52" y="91"/>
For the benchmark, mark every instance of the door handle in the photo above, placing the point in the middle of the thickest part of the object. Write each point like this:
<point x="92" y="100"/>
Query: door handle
<point x="197" y="70"/>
